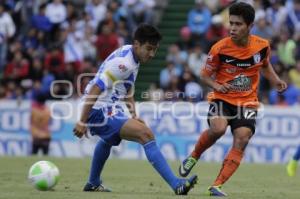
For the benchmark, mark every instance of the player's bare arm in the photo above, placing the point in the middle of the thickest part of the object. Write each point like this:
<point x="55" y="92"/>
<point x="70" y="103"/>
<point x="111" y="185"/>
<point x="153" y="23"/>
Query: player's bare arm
<point x="80" y="127"/>
<point x="130" y="103"/>
<point x="209" y="81"/>
<point x="270" y="74"/>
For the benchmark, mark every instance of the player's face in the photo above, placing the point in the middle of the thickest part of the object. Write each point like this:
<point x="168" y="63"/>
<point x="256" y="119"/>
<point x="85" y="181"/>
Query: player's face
<point x="238" y="28"/>
<point x="145" y="52"/>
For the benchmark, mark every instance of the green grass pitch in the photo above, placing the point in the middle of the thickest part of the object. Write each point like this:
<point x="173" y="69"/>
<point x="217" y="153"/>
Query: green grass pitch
<point x="131" y="179"/>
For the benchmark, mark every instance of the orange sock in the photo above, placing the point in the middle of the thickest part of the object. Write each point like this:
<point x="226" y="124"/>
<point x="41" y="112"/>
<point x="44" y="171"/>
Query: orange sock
<point x="203" y="143"/>
<point x="230" y="165"/>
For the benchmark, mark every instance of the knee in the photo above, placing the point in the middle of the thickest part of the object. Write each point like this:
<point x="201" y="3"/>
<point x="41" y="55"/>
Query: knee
<point x="218" y="131"/>
<point x="145" y="135"/>
<point x="240" y="142"/>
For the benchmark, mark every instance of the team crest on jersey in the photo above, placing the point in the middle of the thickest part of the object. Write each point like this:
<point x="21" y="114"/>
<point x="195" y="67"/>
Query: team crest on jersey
<point x="257" y="58"/>
<point x="123" y="68"/>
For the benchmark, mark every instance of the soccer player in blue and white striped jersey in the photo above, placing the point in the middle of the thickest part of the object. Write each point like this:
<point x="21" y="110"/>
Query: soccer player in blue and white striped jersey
<point x="104" y="116"/>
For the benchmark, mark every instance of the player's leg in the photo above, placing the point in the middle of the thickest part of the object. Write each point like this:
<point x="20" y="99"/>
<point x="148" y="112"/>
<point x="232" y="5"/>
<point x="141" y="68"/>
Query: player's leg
<point x="136" y="131"/>
<point x="243" y="128"/>
<point x="293" y="163"/>
<point x="102" y="149"/>
<point x="101" y="154"/>
<point x="233" y="159"/>
<point x="218" y="124"/>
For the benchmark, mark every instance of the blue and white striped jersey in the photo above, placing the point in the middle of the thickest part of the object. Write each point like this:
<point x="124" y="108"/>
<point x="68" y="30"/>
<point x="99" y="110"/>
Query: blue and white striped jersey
<point x="115" y="77"/>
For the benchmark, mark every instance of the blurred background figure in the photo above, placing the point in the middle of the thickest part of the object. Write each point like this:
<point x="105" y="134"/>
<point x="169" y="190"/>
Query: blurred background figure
<point x="7" y="30"/>
<point x="39" y="125"/>
<point x="199" y="21"/>
<point x="292" y="165"/>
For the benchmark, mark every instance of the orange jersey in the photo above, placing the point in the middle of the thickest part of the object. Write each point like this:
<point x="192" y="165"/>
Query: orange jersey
<point x="239" y="67"/>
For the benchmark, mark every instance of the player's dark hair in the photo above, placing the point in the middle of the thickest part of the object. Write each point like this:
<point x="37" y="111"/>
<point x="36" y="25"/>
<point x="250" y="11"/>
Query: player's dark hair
<point x="147" y="33"/>
<point x="245" y="10"/>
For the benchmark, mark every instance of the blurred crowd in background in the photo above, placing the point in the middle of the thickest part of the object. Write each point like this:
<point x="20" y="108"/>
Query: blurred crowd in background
<point x="42" y="41"/>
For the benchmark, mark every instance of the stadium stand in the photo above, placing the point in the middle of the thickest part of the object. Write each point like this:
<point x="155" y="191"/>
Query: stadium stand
<point x="53" y="40"/>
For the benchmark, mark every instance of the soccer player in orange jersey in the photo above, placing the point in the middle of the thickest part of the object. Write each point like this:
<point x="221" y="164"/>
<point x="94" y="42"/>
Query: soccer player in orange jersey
<point x="232" y="69"/>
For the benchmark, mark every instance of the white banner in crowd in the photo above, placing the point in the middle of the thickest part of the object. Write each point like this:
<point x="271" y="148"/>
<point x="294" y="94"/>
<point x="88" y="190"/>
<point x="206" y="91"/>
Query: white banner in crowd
<point x="176" y="127"/>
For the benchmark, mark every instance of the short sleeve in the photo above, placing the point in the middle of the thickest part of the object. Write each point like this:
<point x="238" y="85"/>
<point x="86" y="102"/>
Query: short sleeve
<point x="115" y="70"/>
<point x="212" y="63"/>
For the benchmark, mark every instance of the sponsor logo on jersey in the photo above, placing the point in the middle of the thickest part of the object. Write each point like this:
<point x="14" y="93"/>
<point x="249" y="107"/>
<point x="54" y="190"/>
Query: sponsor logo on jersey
<point x="241" y="83"/>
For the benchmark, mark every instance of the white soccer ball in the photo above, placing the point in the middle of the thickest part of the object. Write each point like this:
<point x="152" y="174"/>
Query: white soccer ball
<point x="43" y="175"/>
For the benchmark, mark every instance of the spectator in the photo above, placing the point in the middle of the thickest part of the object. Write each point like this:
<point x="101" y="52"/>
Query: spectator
<point x="47" y="80"/>
<point x="276" y="14"/>
<point x="167" y="73"/>
<point x="197" y="60"/>
<point x="36" y="71"/>
<point x="18" y="68"/>
<point x="185" y="43"/>
<point x="119" y="12"/>
<point x="54" y="61"/>
<point x="172" y="92"/>
<point x="293" y="18"/>
<point x="297" y="40"/>
<point x="108" y="21"/>
<point x="294" y="74"/>
<point x="123" y="32"/>
<point x="73" y="45"/>
<point x="262" y="28"/>
<point x="286" y="49"/>
<point x="86" y="22"/>
<point x="179" y="58"/>
<point x="7" y="30"/>
<point x="39" y="125"/>
<point x="40" y="21"/>
<point x="216" y="32"/>
<point x="11" y="88"/>
<point x="30" y="41"/>
<point x="2" y="92"/>
<point x="155" y="93"/>
<point x="106" y="43"/>
<point x="139" y="11"/>
<point x="56" y="12"/>
<point x="71" y="11"/>
<point x="87" y="44"/>
<point x="96" y="9"/>
<point x="192" y="90"/>
<point x="199" y="20"/>
<point x="291" y="94"/>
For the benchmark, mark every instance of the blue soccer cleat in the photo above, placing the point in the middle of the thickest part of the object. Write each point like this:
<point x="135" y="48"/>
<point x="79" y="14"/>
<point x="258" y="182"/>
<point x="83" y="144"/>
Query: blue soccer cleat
<point x="100" y="188"/>
<point x="186" y="166"/>
<point x="216" y="191"/>
<point x="186" y="186"/>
